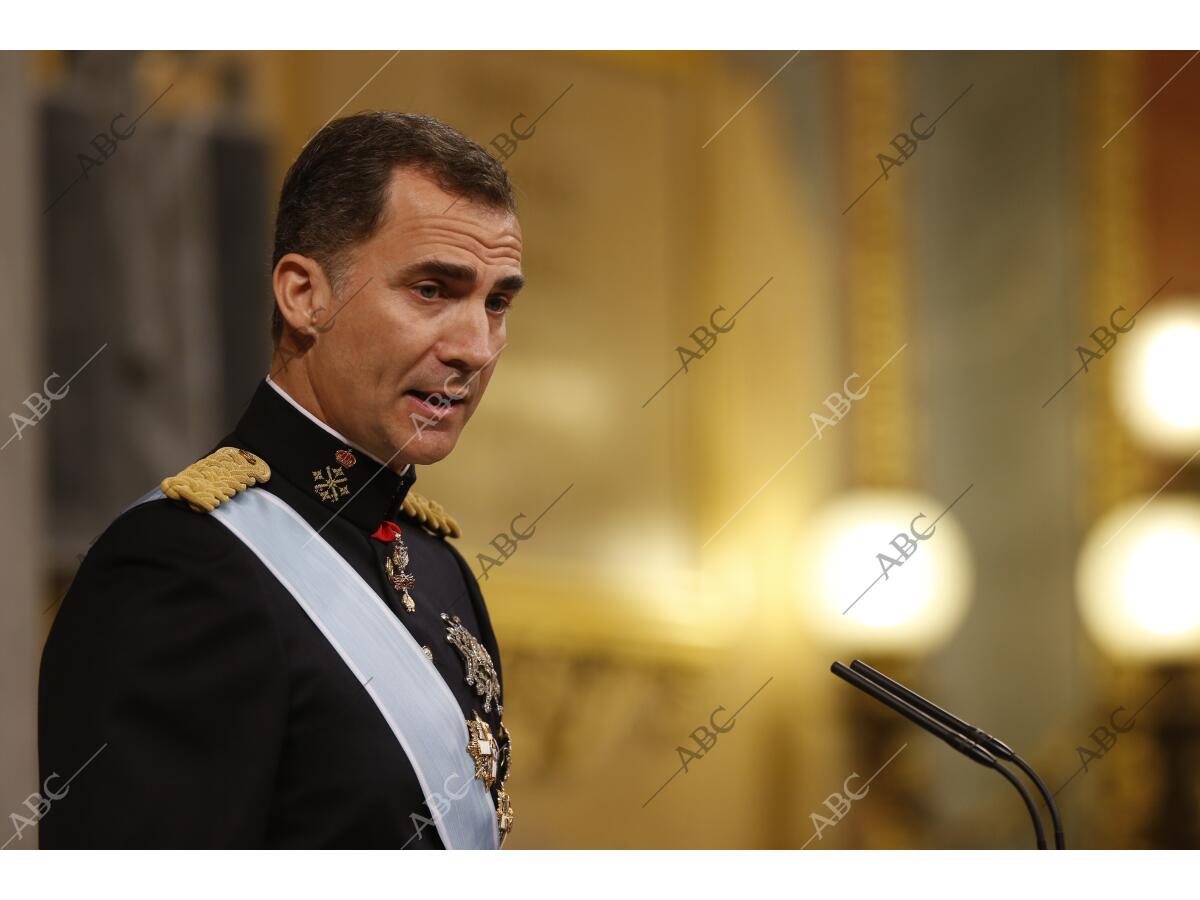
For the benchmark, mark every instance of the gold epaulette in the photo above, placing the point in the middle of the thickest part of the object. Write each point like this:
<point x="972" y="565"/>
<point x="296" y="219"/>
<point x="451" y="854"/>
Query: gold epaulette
<point x="209" y="482"/>
<point x="430" y="514"/>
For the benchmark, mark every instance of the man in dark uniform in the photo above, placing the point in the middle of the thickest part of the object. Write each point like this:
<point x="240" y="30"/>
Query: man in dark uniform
<point x="219" y="680"/>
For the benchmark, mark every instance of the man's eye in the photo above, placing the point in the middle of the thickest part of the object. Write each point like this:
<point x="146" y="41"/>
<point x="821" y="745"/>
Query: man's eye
<point x="499" y="303"/>
<point x="433" y="290"/>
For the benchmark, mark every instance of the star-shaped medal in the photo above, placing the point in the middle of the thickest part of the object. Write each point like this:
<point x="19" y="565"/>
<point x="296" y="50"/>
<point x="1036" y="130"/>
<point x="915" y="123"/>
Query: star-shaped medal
<point x="477" y="662"/>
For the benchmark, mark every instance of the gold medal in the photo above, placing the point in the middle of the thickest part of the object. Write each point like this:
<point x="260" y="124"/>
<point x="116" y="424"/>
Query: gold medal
<point x="504" y="811"/>
<point x="493" y="760"/>
<point x="504" y="814"/>
<point x="396" y="566"/>
<point x="484" y="750"/>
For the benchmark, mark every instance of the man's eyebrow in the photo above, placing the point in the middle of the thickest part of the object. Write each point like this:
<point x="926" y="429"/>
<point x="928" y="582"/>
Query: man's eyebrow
<point x="439" y="267"/>
<point x="433" y="268"/>
<point x="511" y="283"/>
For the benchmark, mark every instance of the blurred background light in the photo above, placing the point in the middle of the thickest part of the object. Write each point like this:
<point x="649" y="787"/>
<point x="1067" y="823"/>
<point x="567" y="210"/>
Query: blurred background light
<point x="919" y="603"/>
<point x="1156" y="376"/>
<point x="1138" y="592"/>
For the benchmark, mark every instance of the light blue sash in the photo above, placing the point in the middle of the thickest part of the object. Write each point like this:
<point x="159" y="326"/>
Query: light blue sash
<point x="382" y="654"/>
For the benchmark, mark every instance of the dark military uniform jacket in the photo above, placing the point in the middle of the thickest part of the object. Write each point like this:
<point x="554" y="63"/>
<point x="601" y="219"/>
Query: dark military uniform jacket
<point x="213" y="711"/>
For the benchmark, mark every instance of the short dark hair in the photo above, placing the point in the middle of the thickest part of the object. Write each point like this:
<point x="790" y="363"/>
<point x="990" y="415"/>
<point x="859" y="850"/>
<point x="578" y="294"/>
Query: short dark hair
<point x="334" y="194"/>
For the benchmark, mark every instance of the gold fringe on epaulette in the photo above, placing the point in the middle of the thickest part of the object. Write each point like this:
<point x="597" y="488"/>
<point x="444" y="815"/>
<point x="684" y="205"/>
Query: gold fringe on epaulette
<point x="209" y="482"/>
<point x="430" y="514"/>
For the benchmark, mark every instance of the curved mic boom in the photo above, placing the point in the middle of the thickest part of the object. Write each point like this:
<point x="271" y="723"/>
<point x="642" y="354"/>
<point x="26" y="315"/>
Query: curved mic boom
<point x="978" y="735"/>
<point x="960" y="742"/>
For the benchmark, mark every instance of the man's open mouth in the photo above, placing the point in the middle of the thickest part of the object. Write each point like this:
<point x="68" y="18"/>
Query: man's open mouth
<point x="436" y="399"/>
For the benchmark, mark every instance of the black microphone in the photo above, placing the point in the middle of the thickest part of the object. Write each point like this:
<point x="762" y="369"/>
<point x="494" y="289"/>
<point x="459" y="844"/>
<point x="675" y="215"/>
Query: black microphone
<point x="978" y="735"/>
<point x="959" y="742"/>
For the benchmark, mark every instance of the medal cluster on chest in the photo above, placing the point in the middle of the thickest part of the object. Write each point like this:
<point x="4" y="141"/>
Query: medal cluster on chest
<point x="491" y="753"/>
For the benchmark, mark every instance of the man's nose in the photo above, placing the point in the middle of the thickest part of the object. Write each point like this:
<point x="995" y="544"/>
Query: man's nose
<point x="470" y="343"/>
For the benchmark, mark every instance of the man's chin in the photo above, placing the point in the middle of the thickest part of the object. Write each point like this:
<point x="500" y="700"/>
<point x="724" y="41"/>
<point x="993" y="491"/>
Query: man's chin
<point x="427" y="448"/>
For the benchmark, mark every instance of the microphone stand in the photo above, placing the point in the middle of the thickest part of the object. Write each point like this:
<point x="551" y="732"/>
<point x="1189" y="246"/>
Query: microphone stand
<point x="959" y="742"/>
<point x="981" y="737"/>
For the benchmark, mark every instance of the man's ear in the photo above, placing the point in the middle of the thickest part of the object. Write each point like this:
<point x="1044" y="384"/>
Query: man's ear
<point x="302" y="293"/>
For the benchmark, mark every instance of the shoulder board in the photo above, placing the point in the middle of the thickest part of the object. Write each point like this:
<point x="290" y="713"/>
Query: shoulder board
<point x="430" y="514"/>
<point x="209" y="482"/>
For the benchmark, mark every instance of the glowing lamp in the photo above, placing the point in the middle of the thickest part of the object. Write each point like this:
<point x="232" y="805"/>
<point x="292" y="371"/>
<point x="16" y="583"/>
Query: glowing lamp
<point x="1136" y="580"/>
<point x="1156" y="370"/>
<point x="876" y="573"/>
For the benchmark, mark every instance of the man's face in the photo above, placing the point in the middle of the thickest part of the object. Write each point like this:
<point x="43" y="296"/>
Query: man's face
<point x="420" y="321"/>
